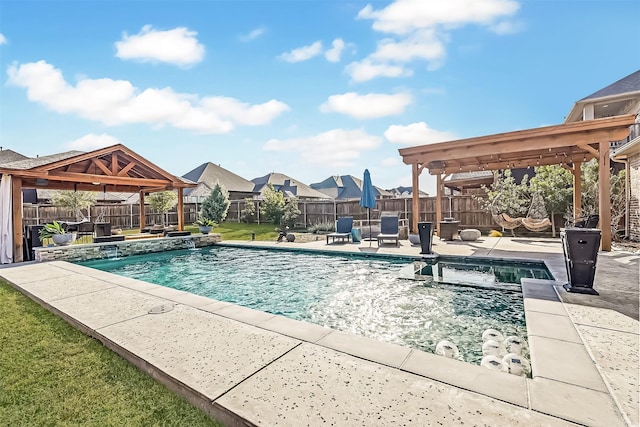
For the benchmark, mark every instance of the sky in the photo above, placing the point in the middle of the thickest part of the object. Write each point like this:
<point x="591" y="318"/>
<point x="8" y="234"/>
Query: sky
<point x="307" y="88"/>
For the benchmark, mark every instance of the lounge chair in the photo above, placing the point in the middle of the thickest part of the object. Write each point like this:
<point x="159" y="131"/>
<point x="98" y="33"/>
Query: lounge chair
<point x="389" y="229"/>
<point x="343" y="230"/>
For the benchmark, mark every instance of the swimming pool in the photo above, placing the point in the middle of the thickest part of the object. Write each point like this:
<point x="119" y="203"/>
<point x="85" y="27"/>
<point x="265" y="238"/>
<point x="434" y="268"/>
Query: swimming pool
<point x="362" y="295"/>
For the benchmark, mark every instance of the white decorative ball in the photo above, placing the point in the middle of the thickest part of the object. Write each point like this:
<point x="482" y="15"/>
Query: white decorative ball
<point x="515" y="344"/>
<point x="447" y="349"/>
<point x="515" y="364"/>
<point x="493" y="362"/>
<point x="494" y="348"/>
<point x="492" y="334"/>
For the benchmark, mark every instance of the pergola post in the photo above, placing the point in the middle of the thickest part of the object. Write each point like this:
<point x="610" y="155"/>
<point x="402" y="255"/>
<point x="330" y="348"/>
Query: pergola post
<point x="604" y="197"/>
<point x="180" y="210"/>
<point x="16" y="211"/>
<point x="415" y="197"/>
<point x="142" y="216"/>
<point x="577" y="189"/>
<point x="438" y="201"/>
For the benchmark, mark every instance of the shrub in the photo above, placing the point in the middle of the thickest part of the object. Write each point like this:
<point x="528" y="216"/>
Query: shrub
<point x="273" y="205"/>
<point x="216" y="205"/>
<point x="290" y="212"/>
<point x="248" y="213"/>
<point x="74" y="200"/>
<point x="162" y="202"/>
<point x="322" y="226"/>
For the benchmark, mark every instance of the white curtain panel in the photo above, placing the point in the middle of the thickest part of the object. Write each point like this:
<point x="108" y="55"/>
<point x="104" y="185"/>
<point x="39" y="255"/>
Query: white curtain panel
<point x="6" y="221"/>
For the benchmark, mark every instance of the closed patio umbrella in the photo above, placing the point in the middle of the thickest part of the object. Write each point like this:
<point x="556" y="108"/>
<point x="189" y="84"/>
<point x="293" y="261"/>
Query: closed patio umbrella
<point x="368" y="198"/>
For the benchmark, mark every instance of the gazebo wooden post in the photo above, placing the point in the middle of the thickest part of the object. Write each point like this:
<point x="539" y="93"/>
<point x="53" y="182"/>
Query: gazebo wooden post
<point x="415" y="197"/>
<point x="604" y="197"/>
<point x="16" y="210"/>
<point x="577" y="189"/>
<point x="180" y="210"/>
<point x="438" y="201"/>
<point x="142" y="216"/>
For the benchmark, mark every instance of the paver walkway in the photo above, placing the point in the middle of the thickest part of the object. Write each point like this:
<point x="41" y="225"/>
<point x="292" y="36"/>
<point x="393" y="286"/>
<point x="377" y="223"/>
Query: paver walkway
<point x="248" y="367"/>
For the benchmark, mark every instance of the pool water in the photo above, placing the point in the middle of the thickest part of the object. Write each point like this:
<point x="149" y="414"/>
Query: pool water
<point x="365" y="296"/>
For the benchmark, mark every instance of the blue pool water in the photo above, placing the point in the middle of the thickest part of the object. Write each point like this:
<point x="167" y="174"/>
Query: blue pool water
<point x="361" y="295"/>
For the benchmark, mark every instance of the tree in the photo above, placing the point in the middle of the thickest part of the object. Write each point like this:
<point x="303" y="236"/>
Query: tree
<point x="216" y="205"/>
<point x="162" y="202"/>
<point x="506" y="196"/>
<point x="273" y="205"/>
<point x="248" y="213"/>
<point x="75" y="201"/>
<point x="555" y="185"/>
<point x="291" y="212"/>
<point x="590" y="201"/>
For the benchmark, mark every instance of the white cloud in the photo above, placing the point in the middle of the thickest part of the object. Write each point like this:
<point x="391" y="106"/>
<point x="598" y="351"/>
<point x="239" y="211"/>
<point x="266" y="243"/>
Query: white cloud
<point x="178" y="46"/>
<point x="303" y="53"/>
<point x="118" y="102"/>
<point x="333" y="54"/>
<point x="3" y="39"/>
<point x="507" y="27"/>
<point x="420" y="29"/>
<point x="253" y="34"/>
<point x="366" y="70"/>
<point x="335" y="148"/>
<point x="416" y="134"/>
<point x="424" y="44"/>
<point x="92" y="142"/>
<point x="405" y="16"/>
<point x="369" y="106"/>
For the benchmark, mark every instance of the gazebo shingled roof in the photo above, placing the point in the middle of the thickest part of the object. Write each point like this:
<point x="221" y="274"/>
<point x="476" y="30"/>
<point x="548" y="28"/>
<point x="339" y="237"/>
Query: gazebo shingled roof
<point x="568" y="145"/>
<point x="114" y="169"/>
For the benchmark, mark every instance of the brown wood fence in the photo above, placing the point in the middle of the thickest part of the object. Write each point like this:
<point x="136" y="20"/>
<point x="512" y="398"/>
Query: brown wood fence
<point x="464" y="208"/>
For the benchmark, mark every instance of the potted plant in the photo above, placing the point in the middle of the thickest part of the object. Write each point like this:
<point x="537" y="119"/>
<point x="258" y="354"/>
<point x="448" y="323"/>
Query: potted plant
<point x="205" y="225"/>
<point x="57" y="233"/>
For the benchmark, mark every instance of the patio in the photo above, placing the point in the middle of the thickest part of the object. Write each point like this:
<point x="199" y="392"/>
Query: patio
<point x="248" y="367"/>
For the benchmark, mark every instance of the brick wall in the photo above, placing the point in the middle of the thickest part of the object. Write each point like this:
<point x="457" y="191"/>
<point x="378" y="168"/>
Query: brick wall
<point x="634" y="207"/>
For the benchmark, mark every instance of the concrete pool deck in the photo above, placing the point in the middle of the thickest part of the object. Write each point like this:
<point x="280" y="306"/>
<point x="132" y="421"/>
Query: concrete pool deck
<point x="247" y="367"/>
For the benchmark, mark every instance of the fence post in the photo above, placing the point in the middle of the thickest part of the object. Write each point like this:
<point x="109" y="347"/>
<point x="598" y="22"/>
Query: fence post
<point x="258" y="210"/>
<point x="37" y="214"/>
<point x="238" y="211"/>
<point x="335" y="211"/>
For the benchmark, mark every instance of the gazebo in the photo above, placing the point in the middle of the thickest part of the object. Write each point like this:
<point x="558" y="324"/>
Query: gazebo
<point x="114" y="169"/>
<point x="568" y="145"/>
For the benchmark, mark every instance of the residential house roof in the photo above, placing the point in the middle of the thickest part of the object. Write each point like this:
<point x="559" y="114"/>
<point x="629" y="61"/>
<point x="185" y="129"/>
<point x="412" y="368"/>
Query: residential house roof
<point x="289" y="186"/>
<point x="34" y="162"/>
<point x="9" y="156"/>
<point x="344" y="187"/>
<point x="208" y="174"/>
<point x="619" y="98"/>
<point x="405" y="192"/>
<point x="630" y="83"/>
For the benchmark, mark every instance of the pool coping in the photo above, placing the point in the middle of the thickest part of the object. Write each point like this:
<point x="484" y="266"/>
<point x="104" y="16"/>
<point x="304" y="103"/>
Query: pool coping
<point x="543" y="309"/>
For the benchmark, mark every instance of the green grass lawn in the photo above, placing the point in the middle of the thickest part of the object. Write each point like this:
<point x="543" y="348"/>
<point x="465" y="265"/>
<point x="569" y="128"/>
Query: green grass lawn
<point x="53" y="375"/>
<point x="240" y="231"/>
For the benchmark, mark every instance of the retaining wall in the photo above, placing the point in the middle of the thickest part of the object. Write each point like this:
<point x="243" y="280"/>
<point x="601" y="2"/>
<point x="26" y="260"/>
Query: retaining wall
<point x="124" y="248"/>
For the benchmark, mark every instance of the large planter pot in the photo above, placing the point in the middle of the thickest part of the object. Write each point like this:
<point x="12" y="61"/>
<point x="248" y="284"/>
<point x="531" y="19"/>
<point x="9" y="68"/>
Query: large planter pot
<point x="205" y="229"/>
<point x="63" y="239"/>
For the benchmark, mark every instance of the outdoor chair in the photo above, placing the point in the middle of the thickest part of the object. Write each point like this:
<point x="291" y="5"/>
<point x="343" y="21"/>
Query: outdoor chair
<point x="343" y="230"/>
<point x="389" y="229"/>
<point x="589" y="221"/>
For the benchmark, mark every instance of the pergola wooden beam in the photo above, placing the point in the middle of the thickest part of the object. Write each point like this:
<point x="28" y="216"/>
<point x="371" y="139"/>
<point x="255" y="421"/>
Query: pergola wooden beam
<point x="122" y="171"/>
<point x="565" y="144"/>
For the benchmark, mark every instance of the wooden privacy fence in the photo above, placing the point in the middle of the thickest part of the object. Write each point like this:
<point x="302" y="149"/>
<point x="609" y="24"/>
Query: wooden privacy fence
<point x="462" y="208"/>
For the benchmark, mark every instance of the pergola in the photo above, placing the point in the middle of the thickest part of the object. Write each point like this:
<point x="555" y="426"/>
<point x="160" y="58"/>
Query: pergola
<point x="568" y="145"/>
<point x="115" y="169"/>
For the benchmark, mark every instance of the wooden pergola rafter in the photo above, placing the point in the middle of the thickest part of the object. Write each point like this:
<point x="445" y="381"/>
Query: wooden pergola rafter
<point x="568" y="145"/>
<point x="114" y="169"/>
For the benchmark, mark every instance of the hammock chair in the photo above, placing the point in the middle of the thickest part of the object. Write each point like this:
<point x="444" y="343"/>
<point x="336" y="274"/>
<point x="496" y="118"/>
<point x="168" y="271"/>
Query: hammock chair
<point x="537" y="218"/>
<point x="502" y="219"/>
